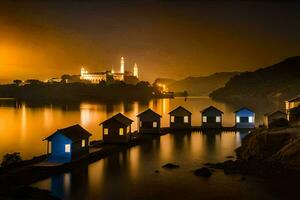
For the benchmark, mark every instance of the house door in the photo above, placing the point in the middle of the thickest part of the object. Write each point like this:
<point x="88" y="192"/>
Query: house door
<point x="178" y="120"/>
<point x="211" y="119"/>
<point x="244" y="119"/>
<point x="147" y="124"/>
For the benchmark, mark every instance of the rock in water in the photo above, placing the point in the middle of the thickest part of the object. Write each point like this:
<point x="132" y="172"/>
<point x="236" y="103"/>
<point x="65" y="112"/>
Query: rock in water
<point x="209" y="164"/>
<point x="203" y="172"/>
<point x="170" y="166"/>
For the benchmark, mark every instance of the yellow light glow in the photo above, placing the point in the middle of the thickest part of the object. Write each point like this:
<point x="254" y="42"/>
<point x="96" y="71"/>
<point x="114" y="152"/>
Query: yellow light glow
<point x="121" y="132"/>
<point x="162" y="87"/>
<point x="134" y="156"/>
<point x="106" y="131"/>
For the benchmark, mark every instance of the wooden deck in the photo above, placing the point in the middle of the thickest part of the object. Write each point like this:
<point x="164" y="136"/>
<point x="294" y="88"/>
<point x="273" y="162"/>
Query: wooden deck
<point x="202" y="129"/>
<point x="47" y="164"/>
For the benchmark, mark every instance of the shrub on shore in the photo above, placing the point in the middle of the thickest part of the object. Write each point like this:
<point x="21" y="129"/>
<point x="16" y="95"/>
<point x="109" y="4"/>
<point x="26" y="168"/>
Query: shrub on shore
<point x="11" y="158"/>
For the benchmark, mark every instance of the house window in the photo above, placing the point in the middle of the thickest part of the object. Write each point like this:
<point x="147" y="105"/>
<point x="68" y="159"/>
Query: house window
<point x="172" y="118"/>
<point x="218" y="119"/>
<point x="121" y="131"/>
<point x="238" y="119"/>
<point x="106" y="131"/>
<point x="251" y="119"/>
<point x="204" y="119"/>
<point x="287" y="105"/>
<point x="128" y="129"/>
<point x="292" y="105"/>
<point x="154" y="124"/>
<point x="186" y="119"/>
<point x="50" y="147"/>
<point x="67" y="148"/>
<point x="82" y="143"/>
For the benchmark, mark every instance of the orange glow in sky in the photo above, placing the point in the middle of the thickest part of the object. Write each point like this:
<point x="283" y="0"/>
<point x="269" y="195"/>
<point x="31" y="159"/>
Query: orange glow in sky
<point x="43" y="39"/>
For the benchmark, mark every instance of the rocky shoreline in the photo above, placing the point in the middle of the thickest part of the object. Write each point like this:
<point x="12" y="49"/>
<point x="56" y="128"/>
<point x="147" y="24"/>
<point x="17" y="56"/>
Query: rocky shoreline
<point x="27" y="192"/>
<point x="268" y="153"/>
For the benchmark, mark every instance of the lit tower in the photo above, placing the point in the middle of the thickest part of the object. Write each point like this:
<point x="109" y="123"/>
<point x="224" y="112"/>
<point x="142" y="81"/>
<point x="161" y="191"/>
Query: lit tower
<point x="83" y="71"/>
<point x="112" y="70"/>
<point x="135" y="70"/>
<point x="122" y="69"/>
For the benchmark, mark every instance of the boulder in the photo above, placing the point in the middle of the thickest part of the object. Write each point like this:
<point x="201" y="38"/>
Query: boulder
<point x="209" y="164"/>
<point x="203" y="172"/>
<point x="170" y="166"/>
<point x="262" y="144"/>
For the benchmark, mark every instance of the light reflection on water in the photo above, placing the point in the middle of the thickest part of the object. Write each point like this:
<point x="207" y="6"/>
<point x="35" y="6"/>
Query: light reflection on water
<point x="24" y="125"/>
<point x="131" y="174"/>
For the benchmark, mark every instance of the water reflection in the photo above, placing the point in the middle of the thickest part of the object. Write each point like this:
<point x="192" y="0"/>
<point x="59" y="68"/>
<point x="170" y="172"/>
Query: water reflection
<point x="23" y="122"/>
<point x="243" y="133"/>
<point x="60" y="185"/>
<point x="166" y="147"/>
<point x="26" y="123"/>
<point x="130" y="173"/>
<point x="134" y="159"/>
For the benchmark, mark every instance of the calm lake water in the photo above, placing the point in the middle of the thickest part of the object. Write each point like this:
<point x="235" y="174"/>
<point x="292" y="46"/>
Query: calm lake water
<point x="131" y="174"/>
<point x="23" y="126"/>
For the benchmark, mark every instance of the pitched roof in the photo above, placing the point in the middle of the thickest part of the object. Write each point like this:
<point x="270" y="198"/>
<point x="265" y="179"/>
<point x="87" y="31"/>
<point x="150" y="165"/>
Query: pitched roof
<point x="120" y="118"/>
<point x="211" y="107"/>
<point x="75" y="132"/>
<point x="148" y="112"/>
<point x="272" y="113"/>
<point x="244" y="108"/>
<point x="181" y="108"/>
<point x="297" y="98"/>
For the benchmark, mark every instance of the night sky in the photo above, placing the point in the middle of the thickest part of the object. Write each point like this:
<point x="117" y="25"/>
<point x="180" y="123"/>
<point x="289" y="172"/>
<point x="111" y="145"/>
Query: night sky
<point x="44" y="39"/>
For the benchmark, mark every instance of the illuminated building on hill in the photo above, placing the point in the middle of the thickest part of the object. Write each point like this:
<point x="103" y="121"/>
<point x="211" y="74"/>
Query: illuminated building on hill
<point x="135" y="70"/>
<point x="111" y="75"/>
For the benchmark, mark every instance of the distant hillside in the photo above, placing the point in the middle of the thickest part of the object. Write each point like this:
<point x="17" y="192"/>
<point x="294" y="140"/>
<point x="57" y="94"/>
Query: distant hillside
<point x="277" y="82"/>
<point x="166" y="81"/>
<point x="201" y="85"/>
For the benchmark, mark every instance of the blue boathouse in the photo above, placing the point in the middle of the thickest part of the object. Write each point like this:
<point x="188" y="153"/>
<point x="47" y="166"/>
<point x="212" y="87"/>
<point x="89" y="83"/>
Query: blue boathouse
<point x="244" y="118"/>
<point x="67" y="144"/>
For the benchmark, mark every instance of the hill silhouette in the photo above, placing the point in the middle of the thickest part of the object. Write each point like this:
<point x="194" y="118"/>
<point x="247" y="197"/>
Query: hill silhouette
<point x="201" y="85"/>
<point x="278" y="82"/>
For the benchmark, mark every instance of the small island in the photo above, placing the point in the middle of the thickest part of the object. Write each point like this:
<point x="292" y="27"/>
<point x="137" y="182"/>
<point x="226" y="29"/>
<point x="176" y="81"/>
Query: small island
<point x="35" y="90"/>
